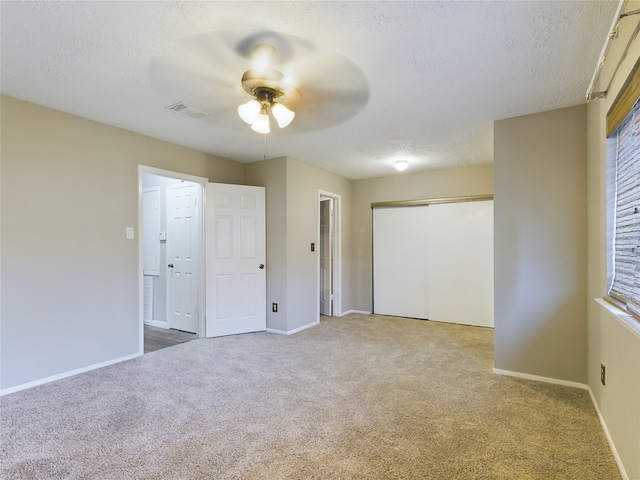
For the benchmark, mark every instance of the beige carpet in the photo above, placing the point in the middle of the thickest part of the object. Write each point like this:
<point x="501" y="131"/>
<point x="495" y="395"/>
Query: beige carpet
<point x="360" y="396"/>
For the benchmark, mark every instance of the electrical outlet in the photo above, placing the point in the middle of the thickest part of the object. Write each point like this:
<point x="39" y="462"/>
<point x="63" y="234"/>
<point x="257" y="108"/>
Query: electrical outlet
<point x="274" y="307"/>
<point x="602" y="373"/>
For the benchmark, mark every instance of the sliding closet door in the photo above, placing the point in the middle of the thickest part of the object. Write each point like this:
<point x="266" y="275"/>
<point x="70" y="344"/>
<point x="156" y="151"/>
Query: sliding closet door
<point x="435" y="262"/>
<point x="400" y="236"/>
<point x="461" y="263"/>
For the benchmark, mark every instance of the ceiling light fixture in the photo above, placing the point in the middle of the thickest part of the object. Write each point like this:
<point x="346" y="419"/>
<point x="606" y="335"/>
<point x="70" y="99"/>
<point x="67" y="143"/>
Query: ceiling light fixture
<point x="401" y="165"/>
<point x="265" y="87"/>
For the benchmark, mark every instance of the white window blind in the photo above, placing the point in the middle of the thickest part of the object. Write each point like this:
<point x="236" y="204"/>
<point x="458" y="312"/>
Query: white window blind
<point x="625" y="286"/>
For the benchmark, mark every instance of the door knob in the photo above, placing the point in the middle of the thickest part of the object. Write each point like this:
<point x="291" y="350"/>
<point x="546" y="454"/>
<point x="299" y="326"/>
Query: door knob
<point x="170" y="265"/>
<point x="261" y="266"/>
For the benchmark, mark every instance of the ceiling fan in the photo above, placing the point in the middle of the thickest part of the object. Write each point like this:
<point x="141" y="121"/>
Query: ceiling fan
<point x="269" y="90"/>
<point x="286" y="77"/>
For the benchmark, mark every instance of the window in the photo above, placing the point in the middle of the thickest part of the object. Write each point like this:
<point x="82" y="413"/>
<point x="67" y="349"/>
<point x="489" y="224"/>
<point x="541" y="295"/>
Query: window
<point x="623" y="128"/>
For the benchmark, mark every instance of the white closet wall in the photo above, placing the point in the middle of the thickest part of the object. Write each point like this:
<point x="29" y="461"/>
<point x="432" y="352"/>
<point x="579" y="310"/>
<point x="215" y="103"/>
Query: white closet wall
<point x="435" y="262"/>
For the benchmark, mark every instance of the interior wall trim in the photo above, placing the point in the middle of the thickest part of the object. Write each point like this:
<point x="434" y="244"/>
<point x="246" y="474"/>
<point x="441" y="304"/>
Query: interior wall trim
<point x="295" y="330"/>
<point x="432" y="201"/>
<point x="616" y="455"/>
<point x="361" y="312"/>
<point x="581" y="386"/>
<point x="538" y="378"/>
<point x="70" y="373"/>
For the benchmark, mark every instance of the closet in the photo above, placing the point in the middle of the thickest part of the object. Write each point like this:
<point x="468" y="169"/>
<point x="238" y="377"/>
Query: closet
<point x="433" y="259"/>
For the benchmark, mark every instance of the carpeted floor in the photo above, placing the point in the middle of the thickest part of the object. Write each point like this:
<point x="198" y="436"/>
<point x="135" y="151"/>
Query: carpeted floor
<point x="357" y="397"/>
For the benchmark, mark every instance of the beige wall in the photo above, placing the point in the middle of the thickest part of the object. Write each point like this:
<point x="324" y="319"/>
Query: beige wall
<point x="303" y="220"/>
<point x="405" y="186"/>
<point x="272" y="174"/>
<point x="610" y="342"/>
<point x="540" y="244"/>
<point x="292" y="225"/>
<point x="69" y="277"/>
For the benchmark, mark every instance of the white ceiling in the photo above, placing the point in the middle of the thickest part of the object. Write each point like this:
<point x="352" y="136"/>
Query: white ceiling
<point x="378" y="81"/>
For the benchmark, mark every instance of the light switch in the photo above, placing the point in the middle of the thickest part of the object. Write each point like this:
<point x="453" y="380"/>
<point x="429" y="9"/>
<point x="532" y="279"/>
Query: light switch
<point x="129" y="233"/>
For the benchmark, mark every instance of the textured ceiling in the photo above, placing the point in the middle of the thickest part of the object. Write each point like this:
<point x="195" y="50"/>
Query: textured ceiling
<point x="377" y="81"/>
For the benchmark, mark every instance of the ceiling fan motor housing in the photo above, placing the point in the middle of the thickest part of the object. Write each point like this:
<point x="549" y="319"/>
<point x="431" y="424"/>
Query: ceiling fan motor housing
<point x="264" y="85"/>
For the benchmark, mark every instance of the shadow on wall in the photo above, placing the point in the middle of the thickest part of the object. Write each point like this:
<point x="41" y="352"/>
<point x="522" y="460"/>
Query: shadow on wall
<point x="537" y="316"/>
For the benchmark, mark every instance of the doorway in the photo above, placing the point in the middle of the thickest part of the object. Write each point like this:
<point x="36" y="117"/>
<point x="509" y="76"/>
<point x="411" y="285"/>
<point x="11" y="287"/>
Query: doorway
<point x="171" y="224"/>
<point x="329" y="254"/>
<point x="235" y="252"/>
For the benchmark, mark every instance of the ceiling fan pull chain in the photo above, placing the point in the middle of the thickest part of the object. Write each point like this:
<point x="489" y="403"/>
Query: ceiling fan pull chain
<point x="265" y="147"/>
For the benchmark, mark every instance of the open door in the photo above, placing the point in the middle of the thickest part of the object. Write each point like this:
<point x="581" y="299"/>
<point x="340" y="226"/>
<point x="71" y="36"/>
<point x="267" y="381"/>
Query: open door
<point x="235" y="259"/>
<point x="326" y="257"/>
<point x="183" y="252"/>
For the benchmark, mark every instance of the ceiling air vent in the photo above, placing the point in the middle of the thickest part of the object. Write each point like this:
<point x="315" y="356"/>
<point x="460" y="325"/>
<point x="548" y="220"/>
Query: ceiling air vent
<point x="186" y="110"/>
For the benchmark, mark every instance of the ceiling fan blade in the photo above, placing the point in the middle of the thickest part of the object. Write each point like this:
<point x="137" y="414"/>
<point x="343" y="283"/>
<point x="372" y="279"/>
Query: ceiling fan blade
<point x="287" y="48"/>
<point x="332" y="90"/>
<point x="205" y="70"/>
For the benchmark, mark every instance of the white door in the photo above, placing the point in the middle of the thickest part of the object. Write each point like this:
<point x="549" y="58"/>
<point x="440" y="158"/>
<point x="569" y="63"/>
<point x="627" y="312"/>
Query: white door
<point x="400" y="272"/>
<point x="183" y="256"/>
<point x="235" y="259"/>
<point x="326" y="257"/>
<point x="461" y="261"/>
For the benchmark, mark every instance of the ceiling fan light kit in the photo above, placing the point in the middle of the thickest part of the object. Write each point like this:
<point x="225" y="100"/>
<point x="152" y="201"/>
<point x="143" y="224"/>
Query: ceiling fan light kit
<point x="265" y="86"/>
<point x="282" y="114"/>
<point x="401" y="165"/>
<point x="249" y="111"/>
<point x="261" y="124"/>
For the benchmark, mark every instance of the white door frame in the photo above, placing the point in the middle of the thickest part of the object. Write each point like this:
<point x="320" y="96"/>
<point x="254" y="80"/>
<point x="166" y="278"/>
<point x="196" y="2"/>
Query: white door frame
<point x="142" y="169"/>
<point x="337" y="253"/>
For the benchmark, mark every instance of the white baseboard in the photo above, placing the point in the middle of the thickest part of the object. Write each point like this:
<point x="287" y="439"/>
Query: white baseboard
<point x="617" y="458"/>
<point x="354" y="311"/>
<point x="537" y="378"/>
<point x="71" y="373"/>
<point x="581" y="386"/>
<point x="295" y="330"/>
<point x="279" y="332"/>
<point x="157" y="323"/>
